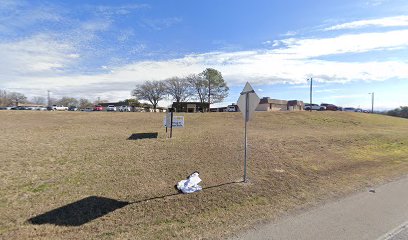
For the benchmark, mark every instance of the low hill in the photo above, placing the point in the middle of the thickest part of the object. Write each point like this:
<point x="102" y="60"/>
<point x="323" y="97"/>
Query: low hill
<point x="76" y="174"/>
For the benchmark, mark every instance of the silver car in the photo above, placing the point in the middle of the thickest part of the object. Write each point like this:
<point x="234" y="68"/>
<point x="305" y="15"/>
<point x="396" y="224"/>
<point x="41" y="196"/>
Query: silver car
<point x="111" y="108"/>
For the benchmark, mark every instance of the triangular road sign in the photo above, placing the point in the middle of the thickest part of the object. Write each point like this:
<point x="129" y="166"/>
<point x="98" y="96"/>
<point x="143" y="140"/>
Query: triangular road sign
<point x="253" y="101"/>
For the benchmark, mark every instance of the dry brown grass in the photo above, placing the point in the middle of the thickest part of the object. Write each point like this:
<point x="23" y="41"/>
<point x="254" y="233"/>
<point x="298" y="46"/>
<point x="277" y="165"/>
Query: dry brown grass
<point x="297" y="159"/>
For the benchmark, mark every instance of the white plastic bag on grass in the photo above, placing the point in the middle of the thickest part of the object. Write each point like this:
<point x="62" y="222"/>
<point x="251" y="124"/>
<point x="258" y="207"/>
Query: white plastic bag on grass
<point x="190" y="185"/>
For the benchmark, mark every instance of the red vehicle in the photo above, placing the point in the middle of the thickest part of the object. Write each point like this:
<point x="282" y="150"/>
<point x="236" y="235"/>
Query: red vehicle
<point x="332" y="107"/>
<point x="98" y="108"/>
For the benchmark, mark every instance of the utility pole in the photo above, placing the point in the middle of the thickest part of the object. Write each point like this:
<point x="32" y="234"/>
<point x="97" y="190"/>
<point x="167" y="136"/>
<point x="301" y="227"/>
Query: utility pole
<point x="209" y="93"/>
<point x="372" y="102"/>
<point x="311" y="91"/>
<point x="49" y="98"/>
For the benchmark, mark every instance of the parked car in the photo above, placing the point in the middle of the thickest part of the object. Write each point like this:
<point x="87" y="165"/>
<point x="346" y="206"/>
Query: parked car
<point x="59" y="108"/>
<point x="325" y="104"/>
<point x="72" y="108"/>
<point x="349" y="109"/>
<point x="332" y="107"/>
<point x="98" y="108"/>
<point x="3" y="108"/>
<point x="41" y="109"/>
<point x="88" y="109"/>
<point x="314" y="107"/>
<point x="124" y="108"/>
<point x="18" y="108"/>
<point x="111" y="108"/>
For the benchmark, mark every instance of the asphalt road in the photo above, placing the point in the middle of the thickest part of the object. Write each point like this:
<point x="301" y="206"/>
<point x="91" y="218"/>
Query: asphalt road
<point x="365" y="215"/>
<point x="403" y="235"/>
<point x="400" y="233"/>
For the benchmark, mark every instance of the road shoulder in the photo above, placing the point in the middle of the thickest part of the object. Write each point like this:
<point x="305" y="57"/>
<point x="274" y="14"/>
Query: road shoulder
<point x="365" y="215"/>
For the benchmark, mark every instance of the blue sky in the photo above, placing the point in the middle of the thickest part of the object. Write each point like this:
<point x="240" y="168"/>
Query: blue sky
<point x="104" y="48"/>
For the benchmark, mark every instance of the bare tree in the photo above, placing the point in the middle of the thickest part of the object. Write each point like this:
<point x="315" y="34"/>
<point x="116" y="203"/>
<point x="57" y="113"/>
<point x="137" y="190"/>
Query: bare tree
<point x="152" y="91"/>
<point x="84" y="103"/>
<point x="67" y="101"/>
<point x="98" y="101"/>
<point x="178" y="88"/>
<point x="130" y="102"/>
<point x="17" y="97"/>
<point x="38" y="100"/>
<point x="4" y="100"/>
<point x="200" y="86"/>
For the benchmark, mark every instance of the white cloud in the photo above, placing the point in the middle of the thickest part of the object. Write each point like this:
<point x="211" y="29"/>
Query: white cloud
<point x="256" y="67"/>
<point x="290" y="34"/>
<point x="395" y="21"/>
<point x="125" y="35"/>
<point x="351" y="96"/>
<point x="375" y="3"/>
<point x="41" y="62"/>
<point x="160" y="23"/>
<point x="327" y="90"/>
<point x="96" y="25"/>
<point x="119" y="9"/>
<point x="348" y="43"/>
<point x="40" y="54"/>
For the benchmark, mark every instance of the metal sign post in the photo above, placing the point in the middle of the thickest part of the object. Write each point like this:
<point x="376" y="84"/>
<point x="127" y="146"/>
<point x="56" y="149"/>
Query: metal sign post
<point x="171" y="124"/>
<point x="166" y="122"/>
<point x="171" y="121"/>
<point x="247" y="103"/>
<point x="246" y="138"/>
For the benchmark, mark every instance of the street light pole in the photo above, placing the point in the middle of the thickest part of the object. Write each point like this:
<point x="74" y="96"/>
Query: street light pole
<point x="209" y="94"/>
<point x="311" y="90"/>
<point x="372" y="102"/>
<point x="48" y="98"/>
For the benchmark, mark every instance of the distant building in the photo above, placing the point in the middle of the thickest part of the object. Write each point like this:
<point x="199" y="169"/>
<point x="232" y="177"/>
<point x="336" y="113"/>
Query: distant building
<point x="144" y="107"/>
<point x="230" y="108"/>
<point x="191" y="107"/>
<point x="268" y="104"/>
<point x="295" y="105"/>
<point x="218" y="109"/>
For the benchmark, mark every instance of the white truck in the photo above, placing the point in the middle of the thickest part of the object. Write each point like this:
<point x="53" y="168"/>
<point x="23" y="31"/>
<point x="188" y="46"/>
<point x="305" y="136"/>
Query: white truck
<point x="59" y="108"/>
<point x="231" y="108"/>
<point x="317" y="107"/>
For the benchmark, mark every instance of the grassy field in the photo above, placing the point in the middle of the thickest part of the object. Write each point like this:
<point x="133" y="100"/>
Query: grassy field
<point x="75" y="175"/>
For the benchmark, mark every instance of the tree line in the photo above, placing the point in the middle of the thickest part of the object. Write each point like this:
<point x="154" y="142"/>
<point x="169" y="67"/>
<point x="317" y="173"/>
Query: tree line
<point x="16" y="99"/>
<point x="399" y="112"/>
<point x="10" y="98"/>
<point x="207" y="86"/>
